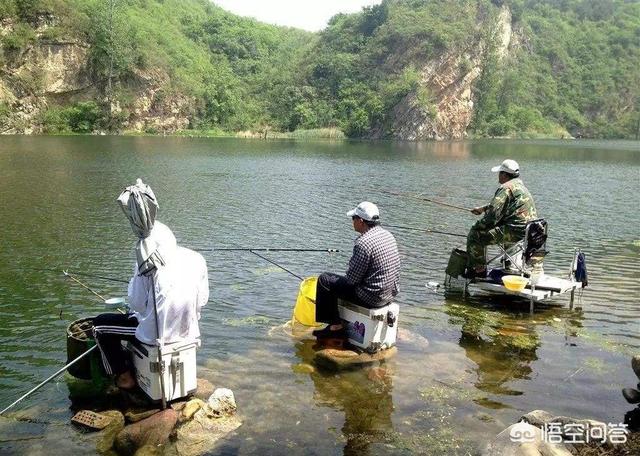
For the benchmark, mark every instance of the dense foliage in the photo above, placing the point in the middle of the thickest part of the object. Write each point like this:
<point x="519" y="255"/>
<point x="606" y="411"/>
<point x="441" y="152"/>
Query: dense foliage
<point x="575" y="68"/>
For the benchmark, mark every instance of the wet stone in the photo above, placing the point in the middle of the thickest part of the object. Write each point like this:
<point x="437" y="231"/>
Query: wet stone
<point x="154" y="430"/>
<point x="635" y="365"/>
<point x="537" y="418"/>
<point x="108" y="435"/>
<point x="204" y="389"/>
<point x="201" y="434"/>
<point x="191" y="408"/>
<point x="344" y="359"/>
<point x="523" y="439"/>
<point x="222" y="402"/>
<point x="133" y="416"/>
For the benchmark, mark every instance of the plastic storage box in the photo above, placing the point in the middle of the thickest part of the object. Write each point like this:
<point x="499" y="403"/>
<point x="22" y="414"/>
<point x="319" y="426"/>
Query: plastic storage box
<point x="179" y="359"/>
<point x="370" y="329"/>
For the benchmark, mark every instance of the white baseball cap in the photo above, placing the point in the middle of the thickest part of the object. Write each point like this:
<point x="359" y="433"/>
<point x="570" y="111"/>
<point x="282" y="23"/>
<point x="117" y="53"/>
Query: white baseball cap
<point x="508" y="166"/>
<point x="366" y="211"/>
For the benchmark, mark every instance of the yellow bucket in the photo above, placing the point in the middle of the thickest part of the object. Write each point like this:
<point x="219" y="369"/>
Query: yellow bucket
<point x="305" y="310"/>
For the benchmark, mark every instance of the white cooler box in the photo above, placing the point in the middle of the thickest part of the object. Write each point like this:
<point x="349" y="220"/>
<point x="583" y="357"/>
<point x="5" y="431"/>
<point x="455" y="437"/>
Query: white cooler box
<point x="370" y="329"/>
<point x="179" y="359"/>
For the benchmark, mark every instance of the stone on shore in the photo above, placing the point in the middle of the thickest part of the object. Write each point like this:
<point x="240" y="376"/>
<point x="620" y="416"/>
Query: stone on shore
<point x="343" y="359"/>
<point x="191" y="408"/>
<point x="204" y="389"/>
<point x="154" y="430"/>
<point x="523" y="439"/>
<point x="133" y="416"/>
<point x="108" y="435"/>
<point x="202" y="432"/>
<point x="635" y="365"/>
<point x="222" y="402"/>
<point x="537" y="418"/>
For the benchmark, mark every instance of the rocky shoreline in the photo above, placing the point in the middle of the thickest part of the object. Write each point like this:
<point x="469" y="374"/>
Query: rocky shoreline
<point x="189" y="427"/>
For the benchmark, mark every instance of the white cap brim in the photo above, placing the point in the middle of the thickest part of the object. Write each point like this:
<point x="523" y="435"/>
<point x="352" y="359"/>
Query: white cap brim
<point x="495" y="169"/>
<point x="351" y="213"/>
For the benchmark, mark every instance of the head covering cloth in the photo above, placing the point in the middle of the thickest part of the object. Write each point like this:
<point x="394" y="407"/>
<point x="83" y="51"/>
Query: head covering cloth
<point x="140" y="206"/>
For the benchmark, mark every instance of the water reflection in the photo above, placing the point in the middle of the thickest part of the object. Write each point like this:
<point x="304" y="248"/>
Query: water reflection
<point x="503" y="344"/>
<point x="364" y="395"/>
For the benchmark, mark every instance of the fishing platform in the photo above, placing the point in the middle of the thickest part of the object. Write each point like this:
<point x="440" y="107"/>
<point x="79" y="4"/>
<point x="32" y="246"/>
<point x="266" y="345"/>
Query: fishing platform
<point x="517" y="271"/>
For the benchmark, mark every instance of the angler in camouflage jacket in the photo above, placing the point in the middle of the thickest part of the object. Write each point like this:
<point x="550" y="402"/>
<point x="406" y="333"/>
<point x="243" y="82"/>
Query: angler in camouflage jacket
<point x="504" y="219"/>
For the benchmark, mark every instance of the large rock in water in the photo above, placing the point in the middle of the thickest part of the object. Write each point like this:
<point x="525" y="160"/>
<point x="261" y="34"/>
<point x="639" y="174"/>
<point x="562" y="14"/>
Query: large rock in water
<point x="154" y="430"/>
<point x="345" y="359"/>
<point x="523" y="439"/>
<point x="201" y="434"/>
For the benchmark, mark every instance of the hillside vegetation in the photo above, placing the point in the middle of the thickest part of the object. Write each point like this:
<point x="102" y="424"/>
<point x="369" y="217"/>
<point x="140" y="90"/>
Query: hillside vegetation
<point x="571" y="66"/>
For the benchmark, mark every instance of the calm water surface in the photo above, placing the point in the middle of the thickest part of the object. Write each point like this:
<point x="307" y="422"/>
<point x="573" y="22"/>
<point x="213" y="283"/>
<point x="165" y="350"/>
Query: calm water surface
<point x="485" y="364"/>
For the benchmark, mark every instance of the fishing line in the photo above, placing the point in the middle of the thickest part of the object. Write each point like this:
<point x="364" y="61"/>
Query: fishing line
<point x="424" y="230"/>
<point x="93" y="276"/>
<point x="424" y="198"/>
<point x="248" y="249"/>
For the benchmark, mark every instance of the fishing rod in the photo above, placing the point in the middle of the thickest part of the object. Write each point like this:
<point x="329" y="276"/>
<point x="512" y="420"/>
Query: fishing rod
<point x="48" y="379"/>
<point x="430" y="200"/>
<point x="276" y="264"/>
<point x="248" y="249"/>
<point x="424" y="230"/>
<point x="83" y="285"/>
<point x="105" y="301"/>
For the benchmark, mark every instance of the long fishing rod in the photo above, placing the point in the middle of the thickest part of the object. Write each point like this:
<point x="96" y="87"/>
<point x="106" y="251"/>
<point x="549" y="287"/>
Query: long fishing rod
<point x="430" y="200"/>
<point x="276" y="264"/>
<point x="88" y="288"/>
<point x="83" y="285"/>
<point x="266" y="249"/>
<point x="48" y="379"/>
<point x="424" y="230"/>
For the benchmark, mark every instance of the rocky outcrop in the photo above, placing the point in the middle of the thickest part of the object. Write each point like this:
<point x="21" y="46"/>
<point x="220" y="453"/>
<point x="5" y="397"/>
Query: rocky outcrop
<point x="442" y="106"/>
<point x="49" y="73"/>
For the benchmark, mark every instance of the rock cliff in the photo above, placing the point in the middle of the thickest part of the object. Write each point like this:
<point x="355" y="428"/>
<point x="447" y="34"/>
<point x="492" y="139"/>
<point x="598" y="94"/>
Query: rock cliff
<point x="442" y="105"/>
<point x="50" y="73"/>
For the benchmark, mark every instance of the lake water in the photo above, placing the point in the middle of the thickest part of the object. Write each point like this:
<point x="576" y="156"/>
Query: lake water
<point x="486" y="363"/>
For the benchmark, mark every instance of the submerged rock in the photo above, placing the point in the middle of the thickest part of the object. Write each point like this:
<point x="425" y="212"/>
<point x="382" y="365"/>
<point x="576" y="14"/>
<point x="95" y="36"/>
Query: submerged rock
<point x="108" y="435"/>
<point x="343" y="359"/>
<point x="200" y="435"/>
<point x="154" y="430"/>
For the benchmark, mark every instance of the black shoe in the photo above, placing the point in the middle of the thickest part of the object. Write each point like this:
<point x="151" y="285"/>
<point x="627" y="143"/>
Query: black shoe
<point x="327" y="333"/>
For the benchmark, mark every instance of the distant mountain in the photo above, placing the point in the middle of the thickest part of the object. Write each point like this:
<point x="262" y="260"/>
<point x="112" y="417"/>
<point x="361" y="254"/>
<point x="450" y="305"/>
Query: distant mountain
<point x="407" y="69"/>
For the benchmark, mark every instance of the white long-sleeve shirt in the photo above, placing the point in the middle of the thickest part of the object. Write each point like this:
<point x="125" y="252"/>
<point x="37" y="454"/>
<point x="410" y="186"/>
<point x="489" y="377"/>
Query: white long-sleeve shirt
<point x="181" y="290"/>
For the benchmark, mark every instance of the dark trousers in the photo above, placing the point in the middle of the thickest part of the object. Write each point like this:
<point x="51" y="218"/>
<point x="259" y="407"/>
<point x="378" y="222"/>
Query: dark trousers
<point x="331" y="287"/>
<point x="109" y="330"/>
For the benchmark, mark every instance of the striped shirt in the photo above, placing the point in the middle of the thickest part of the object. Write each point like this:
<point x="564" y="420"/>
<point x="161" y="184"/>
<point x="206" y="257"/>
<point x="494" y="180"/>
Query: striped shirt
<point x="374" y="267"/>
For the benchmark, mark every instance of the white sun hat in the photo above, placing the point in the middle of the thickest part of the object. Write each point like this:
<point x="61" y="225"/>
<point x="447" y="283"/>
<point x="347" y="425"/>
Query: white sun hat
<point x="508" y="166"/>
<point x="366" y="211"/>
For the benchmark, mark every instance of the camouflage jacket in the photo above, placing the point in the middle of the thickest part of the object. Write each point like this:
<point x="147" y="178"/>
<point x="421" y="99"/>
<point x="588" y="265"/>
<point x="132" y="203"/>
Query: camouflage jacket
<point x="512" y="206"/>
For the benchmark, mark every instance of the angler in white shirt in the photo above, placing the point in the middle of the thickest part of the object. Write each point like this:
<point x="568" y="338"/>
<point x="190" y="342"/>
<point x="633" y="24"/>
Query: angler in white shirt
<point x="174" y="277"/>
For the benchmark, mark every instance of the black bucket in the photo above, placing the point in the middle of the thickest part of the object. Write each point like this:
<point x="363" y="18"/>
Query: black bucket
<point x="457" y="263"/>
<point x="79" y="340"/>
